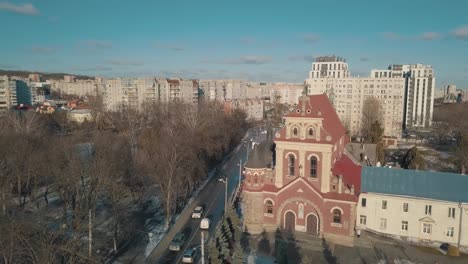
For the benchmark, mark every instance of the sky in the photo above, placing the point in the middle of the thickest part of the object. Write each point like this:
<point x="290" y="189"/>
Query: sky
<point x="254" y="39"/>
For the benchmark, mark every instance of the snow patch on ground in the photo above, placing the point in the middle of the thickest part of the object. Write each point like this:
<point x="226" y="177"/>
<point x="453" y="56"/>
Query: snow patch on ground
<point x="398" y="261"/>
<point x="155" y="236"/>
<point x="253" y="258"/>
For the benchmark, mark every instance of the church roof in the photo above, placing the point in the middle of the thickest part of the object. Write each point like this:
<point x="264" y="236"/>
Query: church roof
<point x="318" y="106"/>
<point x="349" y="171"/>
<point x="261" y="156"/>
<point x="426" y="184"/>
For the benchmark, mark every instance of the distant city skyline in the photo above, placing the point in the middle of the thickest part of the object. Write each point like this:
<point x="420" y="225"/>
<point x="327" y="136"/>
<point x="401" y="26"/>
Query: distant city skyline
<point x="256" y="40"/>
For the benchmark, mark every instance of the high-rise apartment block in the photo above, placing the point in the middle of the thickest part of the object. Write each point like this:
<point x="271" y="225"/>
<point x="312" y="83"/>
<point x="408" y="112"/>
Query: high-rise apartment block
<point x="331" y="75"/>
<point x="76" y="87"/>
<point x="419" y="92"/>
<point x="7" y="93"/>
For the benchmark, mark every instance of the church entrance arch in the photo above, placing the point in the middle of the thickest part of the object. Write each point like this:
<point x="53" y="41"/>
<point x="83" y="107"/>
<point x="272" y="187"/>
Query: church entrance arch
<point x="289" y="221"/>
<point x="312" y="224"/>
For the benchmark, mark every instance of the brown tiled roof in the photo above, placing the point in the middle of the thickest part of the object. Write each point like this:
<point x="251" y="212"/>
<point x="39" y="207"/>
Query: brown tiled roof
<point x="318" y="106"/>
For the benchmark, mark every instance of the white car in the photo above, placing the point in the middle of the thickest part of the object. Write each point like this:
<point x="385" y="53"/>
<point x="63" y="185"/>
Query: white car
<point x="205" y="223"/>
<point x="197" y="212"/>
<point x="189" y="255"/>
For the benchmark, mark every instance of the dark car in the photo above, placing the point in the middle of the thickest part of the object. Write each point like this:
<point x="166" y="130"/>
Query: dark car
<point x="177" y="242"/>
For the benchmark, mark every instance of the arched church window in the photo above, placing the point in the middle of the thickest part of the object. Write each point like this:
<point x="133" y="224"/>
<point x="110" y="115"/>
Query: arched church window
<point x="269" y="207"/>
<point x="291" y="161"/>
<point x="337" y="216"/>
<point x="310" y="132"/>
<point x="313" y="167"/>
<point x="295" y="132"/>
<point x="255" y="179"/>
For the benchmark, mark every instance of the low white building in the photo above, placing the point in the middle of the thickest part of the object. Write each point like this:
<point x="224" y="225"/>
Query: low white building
<point x="80" y="115"/>
<point x="422" y="207"/>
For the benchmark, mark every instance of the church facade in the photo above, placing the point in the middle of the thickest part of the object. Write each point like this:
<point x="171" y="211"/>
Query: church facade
<point x="302" y="178"/>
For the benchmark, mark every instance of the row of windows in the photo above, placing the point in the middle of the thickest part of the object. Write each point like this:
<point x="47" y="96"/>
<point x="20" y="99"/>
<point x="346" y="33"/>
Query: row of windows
<point x="292" y="165"/>
<point x="405" y="208"/>
<point x="426" y="227"/>
<point x="295" y="132"/>
<point x="336" y="212"/>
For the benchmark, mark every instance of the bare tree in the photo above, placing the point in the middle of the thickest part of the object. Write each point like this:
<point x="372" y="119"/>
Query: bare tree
<point x="370" y="114"/>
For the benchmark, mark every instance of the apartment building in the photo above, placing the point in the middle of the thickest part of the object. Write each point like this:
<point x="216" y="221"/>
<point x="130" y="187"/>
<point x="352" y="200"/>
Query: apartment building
<point x="177" y="89"/>
<point x="252" y="107"/>
<point x="419" y="92"/>
<point x="75" y="87"/>
<point x="417" y="206"/>
<point x="286" y="93"/>
<point x="331" y="75"/>
<point x="112" y="94"/>
<point x="7" y="93"/>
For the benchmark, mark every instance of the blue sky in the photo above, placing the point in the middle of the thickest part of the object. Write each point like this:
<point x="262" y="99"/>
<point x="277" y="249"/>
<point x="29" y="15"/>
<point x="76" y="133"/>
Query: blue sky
<point x="256" y="39"/>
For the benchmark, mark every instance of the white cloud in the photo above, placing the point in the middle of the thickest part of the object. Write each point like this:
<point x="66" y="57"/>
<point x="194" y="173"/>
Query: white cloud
<point x="248" y="40"/>
<point x="98" y="44"/>
<point x="461" y="32"/>
<point x="390" y="36"/>
<point x="311" y="37"/>
<point x="39" y="49"/>
<point x="24" y="9"/>
<point x="430" y="36"/>
<point x="173" y="47"/>
<point x="95" y="68"/>
<point x="119" y="62"/>
<point x="308" y="58"/>
<point x="252" y="60"/>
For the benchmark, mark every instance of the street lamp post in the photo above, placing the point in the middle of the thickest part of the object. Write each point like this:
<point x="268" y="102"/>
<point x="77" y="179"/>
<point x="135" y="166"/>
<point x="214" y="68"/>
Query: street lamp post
<point x="240" y="173"/>
<point x="460" y="225"/>
<point x="202" y="249"/>
<point x="225" y="196"/>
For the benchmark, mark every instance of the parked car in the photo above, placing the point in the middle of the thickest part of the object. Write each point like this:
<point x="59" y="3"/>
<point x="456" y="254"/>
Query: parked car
<point x="205" y="223"/>
<point x="197" y="212"/>
<point x="177" y="242"/>
<point x="190" y="255"/>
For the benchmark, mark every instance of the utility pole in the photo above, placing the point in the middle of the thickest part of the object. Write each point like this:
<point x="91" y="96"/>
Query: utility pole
<point x="225" y="196"/>
<point x="240" y="173"/>
<point x="460" y="225"/>
<point x="202" y="249"/>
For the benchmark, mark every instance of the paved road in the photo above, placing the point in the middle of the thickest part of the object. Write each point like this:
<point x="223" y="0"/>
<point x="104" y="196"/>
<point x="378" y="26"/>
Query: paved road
<point x="212" y="198"/>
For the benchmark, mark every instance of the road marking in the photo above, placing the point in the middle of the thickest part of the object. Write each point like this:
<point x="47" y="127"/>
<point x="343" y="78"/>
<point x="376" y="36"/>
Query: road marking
<point x="198" y="228"/>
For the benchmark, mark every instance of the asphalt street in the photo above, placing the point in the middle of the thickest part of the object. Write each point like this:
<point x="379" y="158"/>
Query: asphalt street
<point x="212" y="198"/>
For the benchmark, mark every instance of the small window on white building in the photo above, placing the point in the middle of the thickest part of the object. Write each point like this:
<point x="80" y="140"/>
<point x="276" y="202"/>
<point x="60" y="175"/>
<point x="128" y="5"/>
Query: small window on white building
<point x="383" y="223"/>
<point x="363" y="219"/>
<point x="384" y="204"/>
<point x="363" y="202"/>
<point x="404" y="225"/>
<point x="451" y="212"/>
<point x="405" y="207"/>
<point x="450" y="231"/>
<point x="428" y="209"/>
<point x="427" y="228"/>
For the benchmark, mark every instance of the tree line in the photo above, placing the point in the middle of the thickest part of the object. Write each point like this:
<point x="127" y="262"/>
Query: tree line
<point x="67" y="190"/>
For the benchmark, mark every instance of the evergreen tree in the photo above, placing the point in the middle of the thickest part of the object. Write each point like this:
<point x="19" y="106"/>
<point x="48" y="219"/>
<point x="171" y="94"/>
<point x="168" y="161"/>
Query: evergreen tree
<point x="238" y="254"/>
<point x="213" y="253"/>
<point x="376" y="132"/>
<point x="413" y="160"/>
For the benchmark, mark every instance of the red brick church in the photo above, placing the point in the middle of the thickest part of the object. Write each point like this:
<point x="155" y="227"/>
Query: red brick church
<point x="302" y="178"/>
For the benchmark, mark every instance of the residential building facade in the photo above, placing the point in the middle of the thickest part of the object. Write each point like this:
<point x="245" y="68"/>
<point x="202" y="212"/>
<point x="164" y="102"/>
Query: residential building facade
<point x="419" y="92"/>
<point x="75" y="87"/>
<point x="7" y="94"/>
<point x="417" y="206"/>
<point x="330" y="75"/>
<point x="252" y="107"/>
<point x="288" y="94"/>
